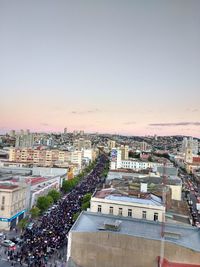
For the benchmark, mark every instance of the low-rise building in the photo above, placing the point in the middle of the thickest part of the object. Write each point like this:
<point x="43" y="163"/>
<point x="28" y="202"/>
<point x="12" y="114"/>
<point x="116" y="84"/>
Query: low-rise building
<point x="104" y="240"/>
<point x="144" y="206"/>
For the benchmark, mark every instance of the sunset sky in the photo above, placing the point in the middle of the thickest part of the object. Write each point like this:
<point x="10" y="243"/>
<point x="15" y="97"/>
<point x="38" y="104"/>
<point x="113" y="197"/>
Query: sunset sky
<point x="127" y="67"/>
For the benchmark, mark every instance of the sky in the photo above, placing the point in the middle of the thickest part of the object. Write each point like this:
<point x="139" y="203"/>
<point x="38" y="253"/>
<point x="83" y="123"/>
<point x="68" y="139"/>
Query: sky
<point x="127" y="67"/>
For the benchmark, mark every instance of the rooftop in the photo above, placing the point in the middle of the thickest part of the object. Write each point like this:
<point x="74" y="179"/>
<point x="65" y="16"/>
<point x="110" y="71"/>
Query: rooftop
<point x="186" y="236"/>
<point x="8" y="186"/>
<point x="143" y="198"/>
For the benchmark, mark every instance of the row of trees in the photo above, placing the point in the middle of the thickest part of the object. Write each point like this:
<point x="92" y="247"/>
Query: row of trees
<point x="68" y="185"/>
<point x="85" y="204"/>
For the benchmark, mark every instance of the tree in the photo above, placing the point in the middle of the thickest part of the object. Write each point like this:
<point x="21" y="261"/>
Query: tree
<point x="44" y="202"/>
<point x="85" y="205"/>
<point x="35" y="212"/>
<point x="87" y="197"/>
<point x="54" y="194"/>
<point x="75" y="216"/>
<point x="23" y="223"/>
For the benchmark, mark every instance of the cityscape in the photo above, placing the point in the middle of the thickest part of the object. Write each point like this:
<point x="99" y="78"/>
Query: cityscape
<point x="100" y="133"/>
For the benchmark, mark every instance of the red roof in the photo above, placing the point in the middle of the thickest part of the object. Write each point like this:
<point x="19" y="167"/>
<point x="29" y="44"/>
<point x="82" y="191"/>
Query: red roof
<point x="166" y="263"/>
<point x="8" y="186"/>
<point x="196" y="160"/>
<point x="36" y="180"/>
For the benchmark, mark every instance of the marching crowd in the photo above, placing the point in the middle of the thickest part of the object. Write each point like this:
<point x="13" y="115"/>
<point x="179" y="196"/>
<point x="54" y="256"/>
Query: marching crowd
<point x="44" y="240"/>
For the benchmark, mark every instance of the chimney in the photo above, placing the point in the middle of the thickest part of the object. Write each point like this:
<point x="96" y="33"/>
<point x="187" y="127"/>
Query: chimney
<point x="143" y="187"/>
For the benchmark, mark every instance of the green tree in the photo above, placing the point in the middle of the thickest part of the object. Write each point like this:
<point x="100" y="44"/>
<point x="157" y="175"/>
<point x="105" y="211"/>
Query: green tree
<point x="35" y="212"/>
<point x="75" y="216"/>
<point x="86" y="197"/>
<point x="44" y="202"/>
<point x="23" y="223"/>
<point x="54" y="194"/>
<point x="85" y="205"/>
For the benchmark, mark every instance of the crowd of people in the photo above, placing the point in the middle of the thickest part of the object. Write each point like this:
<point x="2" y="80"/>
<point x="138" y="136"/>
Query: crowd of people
<point x="45" y="239"/>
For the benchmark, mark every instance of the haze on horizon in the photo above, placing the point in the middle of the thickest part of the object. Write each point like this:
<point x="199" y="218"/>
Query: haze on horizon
<point x="126" y="67"/>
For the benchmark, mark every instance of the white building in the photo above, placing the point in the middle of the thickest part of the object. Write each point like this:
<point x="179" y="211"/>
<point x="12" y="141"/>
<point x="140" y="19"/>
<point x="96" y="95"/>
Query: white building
<point x="145" y="206"/>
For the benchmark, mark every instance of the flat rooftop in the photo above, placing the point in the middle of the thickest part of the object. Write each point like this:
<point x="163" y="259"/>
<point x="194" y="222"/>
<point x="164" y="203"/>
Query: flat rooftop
<point x="186" y="236"/>
<point x="114" y="195"/>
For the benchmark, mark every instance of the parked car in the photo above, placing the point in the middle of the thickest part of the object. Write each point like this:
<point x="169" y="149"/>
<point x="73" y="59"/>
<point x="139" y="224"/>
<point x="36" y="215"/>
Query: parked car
<point x="7" y="243"/>
<point x="17" y="240"/>
<point x="30" y="226"/>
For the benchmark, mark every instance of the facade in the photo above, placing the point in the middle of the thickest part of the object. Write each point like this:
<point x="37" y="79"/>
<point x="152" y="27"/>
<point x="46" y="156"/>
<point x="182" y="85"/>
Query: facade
<point x="46" y="157"/>
<point x="82" y="143"/>
<point x="12" y="204"/>
<point x="139" y="165"/>
<point x="111" y="144"/>
<point x="145" y="206"/>
<point x="102" y="240"/>
<point x="25" y="140"/>
<point x="124" y="152"/>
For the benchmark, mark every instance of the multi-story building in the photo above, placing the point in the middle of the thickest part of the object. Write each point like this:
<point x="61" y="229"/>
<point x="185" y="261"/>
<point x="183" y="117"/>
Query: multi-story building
<point x="25" y="140"/>
<point x="46" y="157"/>
<point x="111" y="144"/>
<point x="145" y="206"/>
<point x="124" y="152"/>
<point x="12" y="204"/>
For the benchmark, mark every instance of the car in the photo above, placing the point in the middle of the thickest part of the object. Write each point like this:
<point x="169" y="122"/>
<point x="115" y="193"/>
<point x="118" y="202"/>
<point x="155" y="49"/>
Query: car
<point x="17" y="240"/>
<point x="7" y="243"/>
<point x="30" y="226"/>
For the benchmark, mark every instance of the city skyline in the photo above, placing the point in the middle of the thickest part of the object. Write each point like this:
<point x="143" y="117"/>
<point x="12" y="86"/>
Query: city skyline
<point x="128" y="67"/>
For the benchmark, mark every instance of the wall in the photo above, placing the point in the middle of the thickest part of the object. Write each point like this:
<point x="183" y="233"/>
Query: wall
<point x="107" y="249"/>
<point x="136" y="208"/>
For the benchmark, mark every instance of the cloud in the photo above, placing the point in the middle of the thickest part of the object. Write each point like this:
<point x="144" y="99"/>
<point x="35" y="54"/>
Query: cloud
<point x="129" y="123"/>
<point x="90" y="111"/>
<point x="195" y="110"/>
<point x="171" y="124"/>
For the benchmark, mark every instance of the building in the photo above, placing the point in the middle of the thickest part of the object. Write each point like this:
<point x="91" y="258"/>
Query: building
<point x="126" y="180"/>
<point x="115" y="161"/>
<point x="46" y="157"/>
<point x="12" y="204"/>
<point x="124" y="152"/>
<point x="115" y="241"/>
<point x="82" y="143"/>
<point x="144" y="206"/>
<point x="111" y="144"/>
<point x="24" y="140"/>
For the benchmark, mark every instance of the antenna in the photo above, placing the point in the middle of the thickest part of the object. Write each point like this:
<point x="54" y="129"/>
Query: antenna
<point x="164" y="182"/>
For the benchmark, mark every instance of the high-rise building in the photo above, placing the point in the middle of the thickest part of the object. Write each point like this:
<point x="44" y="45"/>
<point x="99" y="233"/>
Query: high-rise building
<point x="65" y="130"/>
<point x="111" y="144"/>
<point x="25" y="140"/>
<point x="124" y="152"/>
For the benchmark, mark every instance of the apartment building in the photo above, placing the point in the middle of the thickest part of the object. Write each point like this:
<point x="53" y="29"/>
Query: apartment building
<point x="12" y="204"/>
<point x="44" y="157"/>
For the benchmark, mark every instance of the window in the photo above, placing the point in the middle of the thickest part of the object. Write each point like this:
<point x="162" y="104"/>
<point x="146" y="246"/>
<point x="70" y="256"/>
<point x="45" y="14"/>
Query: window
<point x="3" y="200"/>
<point x="129" y="213"/>
<point x="156" y="216"/>
<point x="2" y="207"/>
<point x="120" y="211"/>
<point x="144" y="214"/>
<point x="111" y="210"/>
<point x="99" y="208"/>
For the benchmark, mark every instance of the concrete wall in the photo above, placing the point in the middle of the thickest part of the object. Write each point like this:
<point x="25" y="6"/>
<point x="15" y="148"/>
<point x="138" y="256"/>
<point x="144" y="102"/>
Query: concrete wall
<point x="107" y="249"/>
